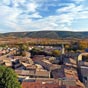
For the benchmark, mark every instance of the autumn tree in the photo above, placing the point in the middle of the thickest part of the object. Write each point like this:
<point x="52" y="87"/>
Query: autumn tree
<point x="68" y="47"/>
<point x="56" y="52"/>
<point x="83" y="45"/>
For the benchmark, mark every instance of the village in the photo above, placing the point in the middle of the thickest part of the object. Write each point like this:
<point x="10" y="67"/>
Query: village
<point x="41" y="70"/>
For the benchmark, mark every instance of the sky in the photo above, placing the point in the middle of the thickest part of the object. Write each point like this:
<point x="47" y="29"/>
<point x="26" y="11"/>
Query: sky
<point x="36" y="15"/>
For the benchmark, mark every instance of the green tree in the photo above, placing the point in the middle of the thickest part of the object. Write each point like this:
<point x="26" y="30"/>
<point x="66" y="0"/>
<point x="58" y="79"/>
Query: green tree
<point x="25" y="47"/>
<point x="8" y="79"/>
<point x="22" y="49"/>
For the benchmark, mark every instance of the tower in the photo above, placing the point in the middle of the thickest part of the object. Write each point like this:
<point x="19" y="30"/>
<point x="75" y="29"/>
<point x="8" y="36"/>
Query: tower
<point x="63" y="50"/>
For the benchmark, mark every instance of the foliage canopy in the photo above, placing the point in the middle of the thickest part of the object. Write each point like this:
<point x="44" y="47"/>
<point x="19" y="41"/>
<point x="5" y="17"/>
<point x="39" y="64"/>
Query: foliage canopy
<point x="8" y="79"/>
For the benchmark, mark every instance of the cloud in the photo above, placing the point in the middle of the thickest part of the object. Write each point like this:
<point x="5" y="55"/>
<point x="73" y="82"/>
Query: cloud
<point x="78" y="1"/>
<point x="71" y="8"/>
<point x="32" y="7"/>
<point x="24" y="15"/>
<point x="82" y="15"/>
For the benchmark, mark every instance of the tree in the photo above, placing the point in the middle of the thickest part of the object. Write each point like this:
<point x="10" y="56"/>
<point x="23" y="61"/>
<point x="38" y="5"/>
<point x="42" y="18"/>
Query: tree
<point x="25" y="47"/>
<point x="8" y="79"/>
<point x="56" y="52"/>
<point x="22" y="49"/>
<point x="68" y="47"/>
<point x="52" y="59"/>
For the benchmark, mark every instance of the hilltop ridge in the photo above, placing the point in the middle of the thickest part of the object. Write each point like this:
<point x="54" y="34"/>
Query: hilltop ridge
<point x="47" y="34"/>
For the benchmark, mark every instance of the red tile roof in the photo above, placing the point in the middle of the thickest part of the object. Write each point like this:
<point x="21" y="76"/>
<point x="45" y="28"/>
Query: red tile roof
<point x="39" y="85"/>
<point x="45" y="85"/>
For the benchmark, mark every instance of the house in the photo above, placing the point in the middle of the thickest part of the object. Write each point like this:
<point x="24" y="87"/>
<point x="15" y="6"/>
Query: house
<point x="46" y="64"/>
<point x="45" y="83"/>
<point x="17" y="65"/>
<point x="1" y="62"/>
<point x="42" y="74"/>
<point x="84" y="74"/>
<point x="40" y="83"/>
<point x="33" y="73"/>
<point x="7" y="62"/>
<point x="25" y="73"/>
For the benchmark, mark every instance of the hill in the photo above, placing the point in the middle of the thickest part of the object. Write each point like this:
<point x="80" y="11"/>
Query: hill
<point x="47" y="34"/>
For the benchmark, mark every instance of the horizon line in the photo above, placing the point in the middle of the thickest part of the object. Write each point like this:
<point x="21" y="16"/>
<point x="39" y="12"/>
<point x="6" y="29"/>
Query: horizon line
<point x="43" y="30"/>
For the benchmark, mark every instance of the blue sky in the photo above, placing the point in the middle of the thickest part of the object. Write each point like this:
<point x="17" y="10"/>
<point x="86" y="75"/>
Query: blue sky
<point x="34" y="15"/>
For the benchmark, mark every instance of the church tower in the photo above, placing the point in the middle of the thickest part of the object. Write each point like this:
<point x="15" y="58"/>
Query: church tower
<point x="63" y="49"/>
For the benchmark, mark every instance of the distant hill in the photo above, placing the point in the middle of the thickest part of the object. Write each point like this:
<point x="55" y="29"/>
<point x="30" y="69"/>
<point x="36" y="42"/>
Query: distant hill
<point x="47" y="34"/>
